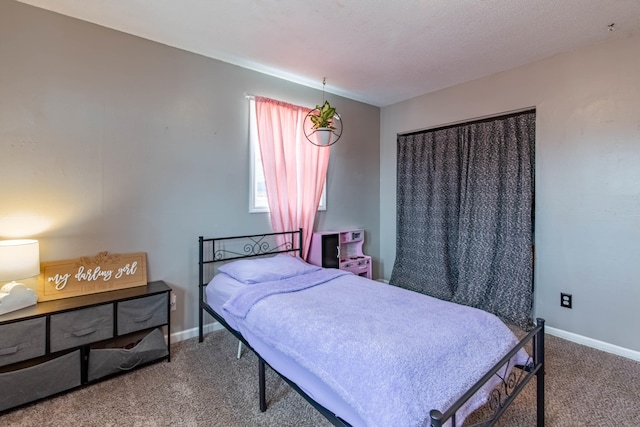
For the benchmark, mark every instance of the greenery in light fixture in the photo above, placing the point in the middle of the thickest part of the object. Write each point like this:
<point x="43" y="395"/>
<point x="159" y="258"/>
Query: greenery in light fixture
<point x="324" y="118"/>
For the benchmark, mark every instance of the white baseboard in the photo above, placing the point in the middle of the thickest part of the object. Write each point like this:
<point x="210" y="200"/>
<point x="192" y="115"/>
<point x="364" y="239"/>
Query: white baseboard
<point x="590" y="342"/>
<point x="193" y="332"/>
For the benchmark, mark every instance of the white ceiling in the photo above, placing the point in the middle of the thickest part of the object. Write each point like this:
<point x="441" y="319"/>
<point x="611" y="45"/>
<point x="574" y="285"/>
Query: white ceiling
<point x="375" y="51"/>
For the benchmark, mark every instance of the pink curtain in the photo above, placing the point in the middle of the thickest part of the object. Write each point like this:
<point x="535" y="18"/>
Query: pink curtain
<point x="294" y="168"/>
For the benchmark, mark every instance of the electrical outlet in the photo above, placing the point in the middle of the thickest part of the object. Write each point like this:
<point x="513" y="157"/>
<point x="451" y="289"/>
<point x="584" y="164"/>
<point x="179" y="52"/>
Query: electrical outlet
<point x="174" y="301"/>
<point x="565" y="300"/>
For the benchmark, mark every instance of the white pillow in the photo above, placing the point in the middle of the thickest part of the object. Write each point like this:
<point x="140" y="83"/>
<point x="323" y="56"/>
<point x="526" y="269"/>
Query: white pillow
<point x="258" y="270"/>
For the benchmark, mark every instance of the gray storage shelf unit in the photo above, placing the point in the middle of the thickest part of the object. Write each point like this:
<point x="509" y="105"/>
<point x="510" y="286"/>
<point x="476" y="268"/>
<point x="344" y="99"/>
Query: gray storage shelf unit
<point x="55" y="346"/>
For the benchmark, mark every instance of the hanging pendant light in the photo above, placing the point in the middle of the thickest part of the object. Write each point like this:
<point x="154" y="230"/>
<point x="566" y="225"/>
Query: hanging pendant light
<point x="323" y="125"/>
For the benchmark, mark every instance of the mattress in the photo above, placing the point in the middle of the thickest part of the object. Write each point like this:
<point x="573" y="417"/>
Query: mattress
<point x="219" y="290"/>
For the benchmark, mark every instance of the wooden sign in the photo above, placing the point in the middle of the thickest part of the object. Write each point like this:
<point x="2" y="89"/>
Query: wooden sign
<point x="90" y="275"/>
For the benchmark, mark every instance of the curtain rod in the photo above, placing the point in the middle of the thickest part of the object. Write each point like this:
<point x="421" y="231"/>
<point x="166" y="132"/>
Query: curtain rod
<point x="253" y="97"/>
<point x="469" y="121"/>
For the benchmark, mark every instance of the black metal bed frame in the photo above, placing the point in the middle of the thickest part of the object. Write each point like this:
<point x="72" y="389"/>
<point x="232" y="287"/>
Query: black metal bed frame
<point x="499" y="400"/>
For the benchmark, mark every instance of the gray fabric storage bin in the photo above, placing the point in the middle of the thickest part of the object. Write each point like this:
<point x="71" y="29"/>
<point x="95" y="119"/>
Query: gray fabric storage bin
<point x="142" y="313"/>
<point x="79" y="327"/>
<point x="22" y="340"/>
<point x="108" y="361"/>
<point x="38" y="381"/>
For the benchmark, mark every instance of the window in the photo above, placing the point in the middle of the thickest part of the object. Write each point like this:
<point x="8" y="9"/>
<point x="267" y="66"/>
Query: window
<point x="258" y="193"/>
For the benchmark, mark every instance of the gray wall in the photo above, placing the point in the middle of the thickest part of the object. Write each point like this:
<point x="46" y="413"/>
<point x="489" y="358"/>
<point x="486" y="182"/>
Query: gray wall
<point x="112" y="142"/>
<point x="587" y="179"/>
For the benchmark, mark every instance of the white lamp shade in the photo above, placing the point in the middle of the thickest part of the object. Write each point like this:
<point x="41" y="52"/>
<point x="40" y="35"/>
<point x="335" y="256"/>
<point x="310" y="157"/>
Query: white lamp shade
<point x="19" y="259"/>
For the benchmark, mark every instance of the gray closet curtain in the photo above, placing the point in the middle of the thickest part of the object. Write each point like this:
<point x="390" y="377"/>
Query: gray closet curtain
<point x="465" y="198"/>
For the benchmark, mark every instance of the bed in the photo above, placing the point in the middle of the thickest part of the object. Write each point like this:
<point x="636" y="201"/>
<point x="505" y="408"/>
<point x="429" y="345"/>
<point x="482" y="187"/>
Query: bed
<point x="363" y="352"/>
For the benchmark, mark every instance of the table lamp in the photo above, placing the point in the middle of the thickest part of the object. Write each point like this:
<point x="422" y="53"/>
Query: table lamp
<point x="19" y="259"/>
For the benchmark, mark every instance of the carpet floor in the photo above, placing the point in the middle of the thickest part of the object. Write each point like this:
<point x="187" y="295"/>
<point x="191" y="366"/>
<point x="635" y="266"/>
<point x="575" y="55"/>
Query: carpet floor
<point x="205" y="385"/>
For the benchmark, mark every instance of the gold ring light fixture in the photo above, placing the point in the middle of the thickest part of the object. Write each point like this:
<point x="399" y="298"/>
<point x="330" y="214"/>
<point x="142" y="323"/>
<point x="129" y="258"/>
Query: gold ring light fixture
<point x="323" y="125"/>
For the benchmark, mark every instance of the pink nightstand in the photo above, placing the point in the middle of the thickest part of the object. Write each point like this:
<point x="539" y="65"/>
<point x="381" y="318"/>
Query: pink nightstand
<point x="340" y="249"/>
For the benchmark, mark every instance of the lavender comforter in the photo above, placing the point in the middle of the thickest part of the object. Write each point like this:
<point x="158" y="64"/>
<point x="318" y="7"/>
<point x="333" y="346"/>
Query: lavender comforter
<point x="389" y="353"/>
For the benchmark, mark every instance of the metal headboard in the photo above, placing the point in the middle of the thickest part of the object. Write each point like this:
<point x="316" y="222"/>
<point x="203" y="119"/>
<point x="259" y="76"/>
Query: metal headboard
<point x="220" y="249"/>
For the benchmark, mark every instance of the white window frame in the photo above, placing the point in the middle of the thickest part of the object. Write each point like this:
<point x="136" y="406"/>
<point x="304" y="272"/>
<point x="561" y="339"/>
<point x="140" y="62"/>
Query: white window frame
<point x="258" y="202"/>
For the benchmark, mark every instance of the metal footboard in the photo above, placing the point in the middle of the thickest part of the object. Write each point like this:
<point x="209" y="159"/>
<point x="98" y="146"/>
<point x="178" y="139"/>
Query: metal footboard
<point x="510" y="387"/>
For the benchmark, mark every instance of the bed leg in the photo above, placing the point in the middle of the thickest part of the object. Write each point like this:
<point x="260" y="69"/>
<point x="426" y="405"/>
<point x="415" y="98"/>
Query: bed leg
<point x="539" y="358"/>
<point x="200" y="332"/>
<point x="263" y="400"/>
<point x="200" y="280"/>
